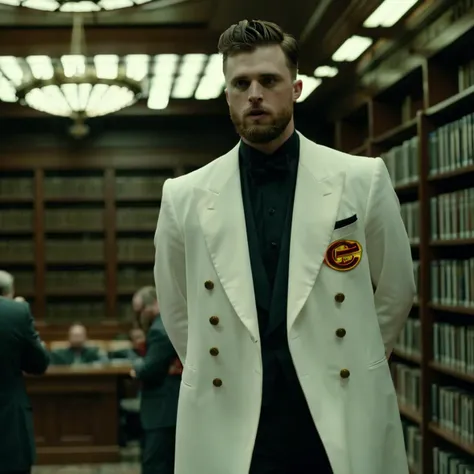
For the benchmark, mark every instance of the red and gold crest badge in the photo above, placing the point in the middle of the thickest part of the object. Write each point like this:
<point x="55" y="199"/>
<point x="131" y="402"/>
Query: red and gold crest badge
<point x="343" y="255"/>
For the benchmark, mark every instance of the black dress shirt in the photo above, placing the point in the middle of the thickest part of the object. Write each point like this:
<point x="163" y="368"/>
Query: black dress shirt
<point x="269" y="182"/>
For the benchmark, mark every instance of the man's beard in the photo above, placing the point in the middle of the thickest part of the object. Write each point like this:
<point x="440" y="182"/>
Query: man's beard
<point x="262" y="133"/>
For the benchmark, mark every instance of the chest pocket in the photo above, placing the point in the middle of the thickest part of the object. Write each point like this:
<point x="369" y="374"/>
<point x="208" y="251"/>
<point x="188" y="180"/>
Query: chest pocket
<point x="346" y="226"/>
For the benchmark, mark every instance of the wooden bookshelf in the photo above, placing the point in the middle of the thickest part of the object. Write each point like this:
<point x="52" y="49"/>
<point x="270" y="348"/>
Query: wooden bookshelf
<point x="423" y="127"/>
<point x="77" y="234"/>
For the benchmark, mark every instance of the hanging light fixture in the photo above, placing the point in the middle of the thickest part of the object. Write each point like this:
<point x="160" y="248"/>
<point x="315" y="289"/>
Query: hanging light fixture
<point x="73" y="87"/>
<point x="73" y="6"/>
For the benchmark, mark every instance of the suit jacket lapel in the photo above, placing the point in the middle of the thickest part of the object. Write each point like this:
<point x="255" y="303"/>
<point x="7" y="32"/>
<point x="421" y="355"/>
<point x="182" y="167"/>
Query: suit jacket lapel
<point x="221" y="215"/>
<point x="317" y="196"/>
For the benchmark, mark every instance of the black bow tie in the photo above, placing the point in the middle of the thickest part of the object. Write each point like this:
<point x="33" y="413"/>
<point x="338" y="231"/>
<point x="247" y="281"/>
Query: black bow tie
<point x="268" y="168"/>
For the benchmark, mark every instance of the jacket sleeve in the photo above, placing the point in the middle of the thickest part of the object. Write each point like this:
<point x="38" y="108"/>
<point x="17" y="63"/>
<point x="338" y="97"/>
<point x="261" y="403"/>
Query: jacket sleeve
<point x="170" y="273"/>
<point x="35" y="358"/>
<point x="389" y="254"/>
<point x="160" y="354"/>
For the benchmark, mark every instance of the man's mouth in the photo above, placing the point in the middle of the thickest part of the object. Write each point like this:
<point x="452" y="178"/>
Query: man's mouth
<point x="257" y="113"/>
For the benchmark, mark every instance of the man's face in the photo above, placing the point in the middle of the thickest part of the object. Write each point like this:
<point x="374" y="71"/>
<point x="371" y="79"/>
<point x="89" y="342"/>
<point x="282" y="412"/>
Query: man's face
<point x="77" y="337"/>
<point x="260" y="92"/>
<point x="137" y="336"/>
<point x="144" y="313"/>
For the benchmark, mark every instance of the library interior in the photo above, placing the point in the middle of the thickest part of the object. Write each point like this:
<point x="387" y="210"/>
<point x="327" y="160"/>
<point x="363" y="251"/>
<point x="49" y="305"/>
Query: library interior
<point x="101" y="101"/>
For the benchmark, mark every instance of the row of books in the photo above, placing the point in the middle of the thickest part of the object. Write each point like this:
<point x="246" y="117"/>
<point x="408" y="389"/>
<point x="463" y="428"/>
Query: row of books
<point x="92" y="186"/>
<point x="65" y="280"/>
<point x="17" y="187"/>
<point x="86" y="250"/>
<point x="137" y="218"/>
<point x="17" y="250"/>
<point x="409" y="341"/>
<point x="453" y="410"/>
<point x="413" y="445"/>
<point x="74" y="187"/>
<point x="22" y="220"/>
<point x="136" y="249"/>
<point x="407" y="382"/>
<point x="452" y="215"/>
<point x="447" y="462"/>
<point x="140" y="187"/>
<point x="402" y="162"/>
<point x="452" y="282"/>
<point x="466" y="75"/>
<point x="453" y="346"/>
<point x="451" y="146"/>
<point x="410" y="212"/>
<point x="94" y="280"/>
<point x="16" y="220"/>
<point x="134" y="277"/>
<point x="75" y="311"/>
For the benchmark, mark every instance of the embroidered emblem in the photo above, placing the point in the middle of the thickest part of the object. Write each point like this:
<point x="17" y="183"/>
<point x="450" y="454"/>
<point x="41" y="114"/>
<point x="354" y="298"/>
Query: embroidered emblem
<point x="343" y="255"/>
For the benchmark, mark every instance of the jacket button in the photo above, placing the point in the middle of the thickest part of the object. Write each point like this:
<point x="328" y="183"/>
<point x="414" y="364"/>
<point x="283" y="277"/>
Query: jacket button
<point x="345" y="373"/>
<point x="341" y="332"/>
<point x="209" y="285"/>
<point x="339" y="297"/>
<point x="214" y="320"/>
<point x="214" y="351"/>
<point x="217" y="383"/>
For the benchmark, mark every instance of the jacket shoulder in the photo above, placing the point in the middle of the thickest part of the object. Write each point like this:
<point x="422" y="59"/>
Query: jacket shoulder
<point x="13" y="310"/>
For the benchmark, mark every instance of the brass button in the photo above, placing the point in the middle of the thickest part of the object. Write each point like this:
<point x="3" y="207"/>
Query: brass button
<point x="340" y="297"/>
<point x="345" y="373"/>
<point x="209" y="285"/>
<point x="217" y="383"/>
<point x="214" y="351"/>
<point x="214" y="320"/>
<point x="341" y="332"/>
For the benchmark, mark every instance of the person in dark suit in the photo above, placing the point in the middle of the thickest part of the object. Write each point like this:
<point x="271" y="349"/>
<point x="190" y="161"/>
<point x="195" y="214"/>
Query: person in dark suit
<point x="160" y="374"/>
<point x="78" y="351"/>
<point x="136" y="351"/>
<point x="21" y="351"/>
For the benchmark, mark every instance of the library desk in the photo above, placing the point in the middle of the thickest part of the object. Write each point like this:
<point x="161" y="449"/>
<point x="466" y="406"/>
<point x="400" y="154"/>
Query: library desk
<point x="76" y="413"/>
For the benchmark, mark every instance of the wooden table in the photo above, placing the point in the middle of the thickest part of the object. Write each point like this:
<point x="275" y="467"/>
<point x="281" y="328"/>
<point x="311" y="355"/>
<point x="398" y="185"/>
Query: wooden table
<point x="76" y="414"/>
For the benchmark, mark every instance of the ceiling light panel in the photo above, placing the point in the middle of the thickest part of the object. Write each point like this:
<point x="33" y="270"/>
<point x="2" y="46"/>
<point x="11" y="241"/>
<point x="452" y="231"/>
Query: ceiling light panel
<point x="389" y="13"/>
<point x="352" y="48"/>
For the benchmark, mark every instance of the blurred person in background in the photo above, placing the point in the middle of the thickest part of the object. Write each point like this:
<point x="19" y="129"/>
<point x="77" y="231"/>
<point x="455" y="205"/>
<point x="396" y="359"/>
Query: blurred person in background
<point x="78" y="350"/>
<point x="160" y="375"/>
<point x="21" y="351"/>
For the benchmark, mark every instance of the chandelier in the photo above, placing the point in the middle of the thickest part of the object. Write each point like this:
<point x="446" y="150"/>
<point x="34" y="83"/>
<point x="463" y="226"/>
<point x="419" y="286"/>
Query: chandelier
<point x="73" y="86"/>
<point x="75" y="6"/>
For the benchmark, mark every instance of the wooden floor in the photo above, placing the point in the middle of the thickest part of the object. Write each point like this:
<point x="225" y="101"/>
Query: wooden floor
<point x="129" y="465"/>
<point x="122" y="468"/>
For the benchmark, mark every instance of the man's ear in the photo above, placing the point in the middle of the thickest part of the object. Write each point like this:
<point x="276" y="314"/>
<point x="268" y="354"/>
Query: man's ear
<point x="297" y="89"/>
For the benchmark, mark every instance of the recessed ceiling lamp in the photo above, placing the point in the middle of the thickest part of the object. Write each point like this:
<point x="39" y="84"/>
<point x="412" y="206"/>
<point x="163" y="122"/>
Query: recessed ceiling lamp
<point x="389" y="13"/>
<point x="75" y="6"/>
<point x="352" y="48"/>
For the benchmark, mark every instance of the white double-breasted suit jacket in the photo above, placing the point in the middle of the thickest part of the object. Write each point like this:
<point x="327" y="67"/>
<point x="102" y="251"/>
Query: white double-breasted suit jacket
<point x="346" y="307"/>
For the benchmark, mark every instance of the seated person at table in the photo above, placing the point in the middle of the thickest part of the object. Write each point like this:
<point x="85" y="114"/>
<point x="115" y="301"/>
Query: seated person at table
<point x="137" y="349"/>
<point x="78" y="351"/>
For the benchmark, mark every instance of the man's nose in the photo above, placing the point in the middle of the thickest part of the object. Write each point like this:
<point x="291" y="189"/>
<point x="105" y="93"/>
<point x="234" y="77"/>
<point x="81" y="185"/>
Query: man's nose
<point x="255" y="92"/>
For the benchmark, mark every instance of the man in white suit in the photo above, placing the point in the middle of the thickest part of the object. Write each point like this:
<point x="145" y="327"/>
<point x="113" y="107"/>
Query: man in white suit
<point x="266" y="264"/>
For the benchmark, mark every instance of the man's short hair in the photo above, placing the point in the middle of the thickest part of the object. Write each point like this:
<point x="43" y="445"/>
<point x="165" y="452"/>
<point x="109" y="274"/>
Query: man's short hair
<point x="6" y="283"/>
<point x="247" y="36"/>
<point x="147" y="295"/>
